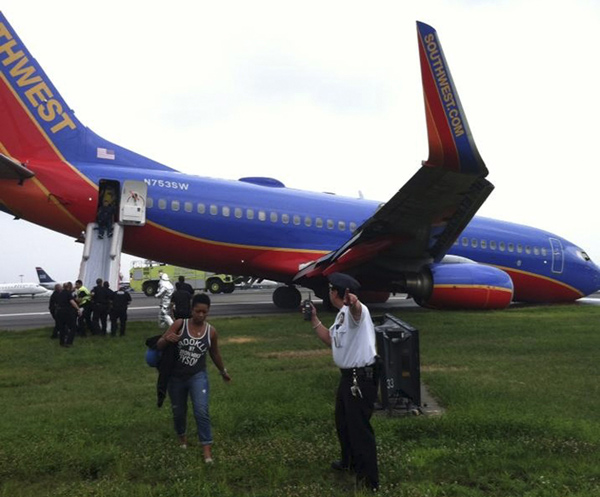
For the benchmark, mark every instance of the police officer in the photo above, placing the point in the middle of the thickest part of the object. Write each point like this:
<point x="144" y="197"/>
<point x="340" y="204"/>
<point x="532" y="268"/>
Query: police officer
<point x="84" y="300"/>
<point x="181" y="302"/>
<point x="101" y="294"/>
<point x="352" y="341"/>
<point x="66" y="315"/>
<point x="118" y="311"/>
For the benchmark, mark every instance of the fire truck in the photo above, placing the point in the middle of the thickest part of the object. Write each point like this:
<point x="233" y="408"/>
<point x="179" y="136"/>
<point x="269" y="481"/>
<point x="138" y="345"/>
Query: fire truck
<point x="144" y="277"/>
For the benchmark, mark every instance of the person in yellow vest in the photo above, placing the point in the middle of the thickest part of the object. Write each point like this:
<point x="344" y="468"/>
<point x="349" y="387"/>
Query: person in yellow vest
<point x="84" y="300"/>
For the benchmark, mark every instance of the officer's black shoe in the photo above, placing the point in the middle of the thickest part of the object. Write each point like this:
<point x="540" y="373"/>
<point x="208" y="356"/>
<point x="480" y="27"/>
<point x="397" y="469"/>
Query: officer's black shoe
<point x="339" y="466"/>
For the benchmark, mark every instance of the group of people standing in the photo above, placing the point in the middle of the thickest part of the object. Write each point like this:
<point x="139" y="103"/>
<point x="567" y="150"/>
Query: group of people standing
<point x="77" y="310"/>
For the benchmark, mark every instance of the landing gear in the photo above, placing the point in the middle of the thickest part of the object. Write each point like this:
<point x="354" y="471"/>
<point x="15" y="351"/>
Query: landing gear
<point x="287" y="297"/>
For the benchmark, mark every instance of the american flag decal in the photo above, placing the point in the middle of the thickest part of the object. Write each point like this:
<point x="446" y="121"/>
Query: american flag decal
<point x="103" y="153"/>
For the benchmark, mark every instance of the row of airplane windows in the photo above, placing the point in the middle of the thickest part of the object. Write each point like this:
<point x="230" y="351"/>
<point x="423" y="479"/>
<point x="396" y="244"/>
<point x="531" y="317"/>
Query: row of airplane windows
<point x="261" y="215"/>
<point x="501" y="246"/>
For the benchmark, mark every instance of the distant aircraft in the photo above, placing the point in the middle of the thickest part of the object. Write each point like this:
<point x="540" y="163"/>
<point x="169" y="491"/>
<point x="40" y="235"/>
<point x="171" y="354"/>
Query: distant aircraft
<point x="424" y="241"/>
<point x="45" y="280"/>
<point x="8" y="290"/>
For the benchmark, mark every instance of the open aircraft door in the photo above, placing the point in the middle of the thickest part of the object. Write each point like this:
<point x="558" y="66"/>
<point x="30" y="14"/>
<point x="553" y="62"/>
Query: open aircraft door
<point x="558" y="259"/>
<point x="132" y="209"/>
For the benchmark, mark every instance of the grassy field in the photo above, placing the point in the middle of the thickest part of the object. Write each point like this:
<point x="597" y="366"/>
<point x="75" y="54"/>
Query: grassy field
<point x="520" y="388"/>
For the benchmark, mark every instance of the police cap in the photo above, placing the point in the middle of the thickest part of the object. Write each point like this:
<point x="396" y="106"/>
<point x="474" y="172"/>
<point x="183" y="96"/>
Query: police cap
<point x="343" y="281"/>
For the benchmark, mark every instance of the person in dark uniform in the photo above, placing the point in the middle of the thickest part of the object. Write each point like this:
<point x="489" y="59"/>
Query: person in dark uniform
<point x="185" y="286"/>
<point x="193" y="338"/>
<point x="352" y="341"/>
<point x="101" y="294"/>
<point x="118" y="311"/>
<point x="181" y="302"/>
<point x="66" y="313"/>
<point x="52" y="307"/>
<point x="106" y="218"/>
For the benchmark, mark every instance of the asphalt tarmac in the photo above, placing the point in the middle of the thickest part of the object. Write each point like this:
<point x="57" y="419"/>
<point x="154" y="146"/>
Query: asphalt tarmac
<point x="25" y="313"/>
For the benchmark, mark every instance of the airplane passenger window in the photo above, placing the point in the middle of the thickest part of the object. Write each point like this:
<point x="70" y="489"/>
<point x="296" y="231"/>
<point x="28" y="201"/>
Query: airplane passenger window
<point x="214" y="210"/>
<point x="483" y="244"/>
<point x="273" y="217"/>
<point x="237" y="213"/>
<point x="536" y="251"/>
<point x="511" y="247"/>
<point x="285" y="218"/>
<point x="319" y="222"/>
<point x="162" y="204"/>
<point x="353" y="226"/>
<point x="226" y="211"/>
<point x="465" y="241"/>
<point x="527" y="249"/>
<point x="473" y="243"/>
<point x="188" y="207"/>
<point x="296" y="220"/>
<point x="262" y="216"/>
<point x="149" y="203"/>
<point x="544" y="252"/>
<point x="520" y="248"/>
<point x="201" y="208"/>
<point x="492" y="245"/>
<point x="502" y="246"/>
<point x="342" y="225"/>
<point x="308" y="221"/>
<point x="330" y="224"/>
<point x="250" y="213"/>
<point x="175" y="205"/>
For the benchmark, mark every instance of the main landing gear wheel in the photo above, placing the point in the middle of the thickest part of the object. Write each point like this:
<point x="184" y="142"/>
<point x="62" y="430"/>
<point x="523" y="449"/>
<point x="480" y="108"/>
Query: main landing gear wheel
<point x="287" y="297"/>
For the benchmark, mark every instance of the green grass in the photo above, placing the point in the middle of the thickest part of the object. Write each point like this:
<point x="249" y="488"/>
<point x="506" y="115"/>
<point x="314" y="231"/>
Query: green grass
<point x="520" y="388"/>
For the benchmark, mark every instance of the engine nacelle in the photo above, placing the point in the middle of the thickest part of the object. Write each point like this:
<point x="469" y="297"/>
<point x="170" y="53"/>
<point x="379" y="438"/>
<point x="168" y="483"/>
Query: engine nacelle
<point x="468" y="286"/>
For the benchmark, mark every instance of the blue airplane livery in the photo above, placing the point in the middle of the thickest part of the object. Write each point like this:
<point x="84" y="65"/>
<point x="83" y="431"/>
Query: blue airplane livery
<point x="425" y="241"/>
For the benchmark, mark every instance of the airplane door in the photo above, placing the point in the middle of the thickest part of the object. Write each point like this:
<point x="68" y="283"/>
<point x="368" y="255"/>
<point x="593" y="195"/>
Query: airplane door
<point x="133" y="203"/>
<point x="558" y="260"/>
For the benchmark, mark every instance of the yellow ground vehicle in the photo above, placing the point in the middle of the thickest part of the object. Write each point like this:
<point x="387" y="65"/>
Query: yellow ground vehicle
<point x="144" y="276"/>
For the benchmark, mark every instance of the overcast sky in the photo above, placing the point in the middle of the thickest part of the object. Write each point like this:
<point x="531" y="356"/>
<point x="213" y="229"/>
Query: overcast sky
<point x="325" y="95"/>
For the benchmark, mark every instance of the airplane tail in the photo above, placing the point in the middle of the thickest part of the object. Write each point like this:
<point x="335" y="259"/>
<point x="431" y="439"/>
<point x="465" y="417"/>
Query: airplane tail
<point x="451" y="144"/>
<point x="45" y="279"/>
<point x="37" y="124"/>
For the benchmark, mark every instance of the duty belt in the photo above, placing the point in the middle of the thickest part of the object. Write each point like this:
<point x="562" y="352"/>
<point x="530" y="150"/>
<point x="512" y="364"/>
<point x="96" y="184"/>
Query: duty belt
<point x="367" y="371"/>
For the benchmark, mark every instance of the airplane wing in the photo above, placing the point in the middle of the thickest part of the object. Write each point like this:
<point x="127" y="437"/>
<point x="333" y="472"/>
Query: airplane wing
<point x="11" y="169"/>
<point x="419" y="224"/>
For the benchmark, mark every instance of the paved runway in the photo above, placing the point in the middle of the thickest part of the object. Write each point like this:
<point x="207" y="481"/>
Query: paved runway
<point x="26" y="313"/>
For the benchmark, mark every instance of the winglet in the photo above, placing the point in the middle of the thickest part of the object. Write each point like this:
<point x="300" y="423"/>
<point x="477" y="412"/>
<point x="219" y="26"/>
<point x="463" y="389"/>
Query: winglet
<point x="451" y="144"/>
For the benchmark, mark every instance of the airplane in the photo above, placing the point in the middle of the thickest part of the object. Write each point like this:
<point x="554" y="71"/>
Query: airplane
<point x="45" y="279"/>
<point x="8" y="290"/>
<point x="425" y="241"/>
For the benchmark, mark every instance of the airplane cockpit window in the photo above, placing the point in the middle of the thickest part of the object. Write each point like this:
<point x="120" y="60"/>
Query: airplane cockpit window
<point x="584" y="256"/>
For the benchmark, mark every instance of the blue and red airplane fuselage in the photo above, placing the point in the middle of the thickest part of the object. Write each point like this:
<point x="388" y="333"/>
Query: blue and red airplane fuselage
<point x="53" y="166"/>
